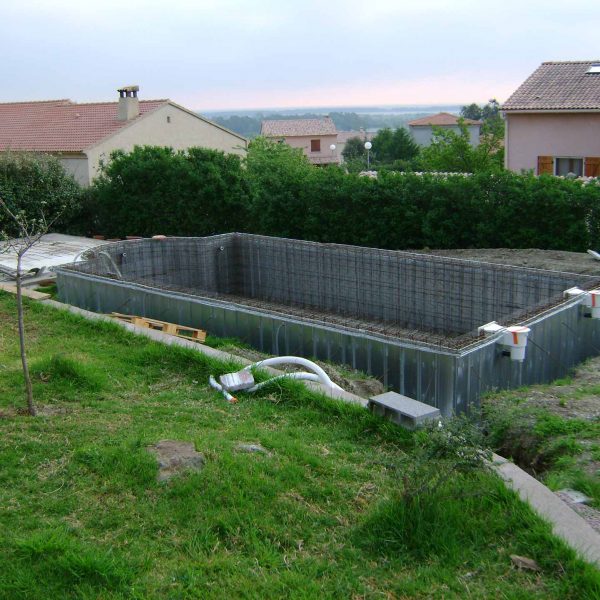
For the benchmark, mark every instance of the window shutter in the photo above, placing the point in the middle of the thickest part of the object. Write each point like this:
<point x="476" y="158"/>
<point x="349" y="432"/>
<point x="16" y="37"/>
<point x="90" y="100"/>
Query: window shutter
<point x="545" y="165"/>
<point x="592" y="166"/>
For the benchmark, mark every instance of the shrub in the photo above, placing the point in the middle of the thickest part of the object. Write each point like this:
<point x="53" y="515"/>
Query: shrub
<point x="154" y="190"/>
<point x="36" y="185"/>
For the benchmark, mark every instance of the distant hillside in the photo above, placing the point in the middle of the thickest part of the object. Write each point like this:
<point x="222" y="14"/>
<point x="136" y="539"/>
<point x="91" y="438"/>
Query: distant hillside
<point x="247" y="123"/>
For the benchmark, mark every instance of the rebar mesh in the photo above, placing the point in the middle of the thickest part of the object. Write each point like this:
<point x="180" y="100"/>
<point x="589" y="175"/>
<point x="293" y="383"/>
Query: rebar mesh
<point x="434" y="299"/>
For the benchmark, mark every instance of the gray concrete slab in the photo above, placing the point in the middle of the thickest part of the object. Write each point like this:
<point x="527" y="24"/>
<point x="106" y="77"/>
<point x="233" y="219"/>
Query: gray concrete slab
<point x="566" y="523"/>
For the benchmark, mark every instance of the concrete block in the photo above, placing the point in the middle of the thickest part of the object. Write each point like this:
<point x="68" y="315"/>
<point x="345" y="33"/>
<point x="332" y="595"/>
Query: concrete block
<point x="402" y="410"/>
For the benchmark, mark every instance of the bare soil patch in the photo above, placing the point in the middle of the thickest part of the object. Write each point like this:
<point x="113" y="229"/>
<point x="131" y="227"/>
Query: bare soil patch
<point x="553" y="260"/>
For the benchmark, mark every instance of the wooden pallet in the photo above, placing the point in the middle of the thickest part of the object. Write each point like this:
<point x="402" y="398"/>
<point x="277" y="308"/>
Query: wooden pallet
<point x="187" y="333"/>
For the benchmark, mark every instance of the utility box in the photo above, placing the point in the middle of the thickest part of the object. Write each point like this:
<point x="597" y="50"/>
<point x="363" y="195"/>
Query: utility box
<point x="403" y="410"/>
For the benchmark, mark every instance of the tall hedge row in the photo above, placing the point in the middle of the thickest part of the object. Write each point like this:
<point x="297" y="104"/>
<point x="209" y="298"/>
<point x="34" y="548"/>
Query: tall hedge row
<point x="276" y="192"/>
<point x="159" y="190"/>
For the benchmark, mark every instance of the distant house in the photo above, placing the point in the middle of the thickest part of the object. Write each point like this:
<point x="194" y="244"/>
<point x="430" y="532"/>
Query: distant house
<point x="422" y="129"/>
<point x="82" y="135"/>
<point x="553" y="120"/>
<point x="314" y="136"/>
<point x="344" y="136"/>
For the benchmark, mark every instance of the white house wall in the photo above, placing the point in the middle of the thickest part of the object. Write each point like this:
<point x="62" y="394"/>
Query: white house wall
<point x="167" y="126"/>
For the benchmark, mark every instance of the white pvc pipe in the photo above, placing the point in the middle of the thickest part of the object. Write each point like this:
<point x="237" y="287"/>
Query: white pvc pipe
<point x="322" y="377"/>
<point x="217" y="386"/>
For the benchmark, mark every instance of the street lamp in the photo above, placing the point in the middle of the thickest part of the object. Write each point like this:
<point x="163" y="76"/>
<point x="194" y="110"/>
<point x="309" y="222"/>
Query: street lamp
<point x="368" y="147"/>
<point x="332" y="148"/>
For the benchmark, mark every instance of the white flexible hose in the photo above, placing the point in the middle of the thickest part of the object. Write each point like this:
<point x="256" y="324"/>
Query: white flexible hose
<point x="302" y="376"/>
<point x="321" y="376"/>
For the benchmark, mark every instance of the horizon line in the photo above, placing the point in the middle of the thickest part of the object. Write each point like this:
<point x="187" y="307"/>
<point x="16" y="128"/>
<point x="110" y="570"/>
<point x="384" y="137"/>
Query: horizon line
<point x="314" y="107"/>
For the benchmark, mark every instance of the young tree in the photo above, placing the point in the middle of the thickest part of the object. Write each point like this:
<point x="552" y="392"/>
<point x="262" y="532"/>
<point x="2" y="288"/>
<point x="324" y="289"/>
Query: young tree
<point x="30" y="231"/>
<point x="493" y="123"/>
<point x="471" y="111"/>
<point x="35" y="192"/>
<point x="354" y="148"/>
<point x="394" y="145"/>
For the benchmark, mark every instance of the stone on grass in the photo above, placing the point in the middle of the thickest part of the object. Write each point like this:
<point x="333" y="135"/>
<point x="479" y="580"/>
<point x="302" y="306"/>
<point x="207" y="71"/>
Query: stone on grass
<point x="252" y="448"/>
<point x="523" y="562"/>
<point x="175" y="457"/>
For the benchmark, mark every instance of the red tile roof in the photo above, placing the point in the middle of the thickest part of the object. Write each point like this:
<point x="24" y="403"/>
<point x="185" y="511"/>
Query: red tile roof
<point x="298" y="127"/>
<point x="558" y="86"/>
<point x="440" y="120"/>
<point x="61" y="125"/>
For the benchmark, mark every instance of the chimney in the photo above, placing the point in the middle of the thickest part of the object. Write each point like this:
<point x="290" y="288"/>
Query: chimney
<point x="129" y="105"/>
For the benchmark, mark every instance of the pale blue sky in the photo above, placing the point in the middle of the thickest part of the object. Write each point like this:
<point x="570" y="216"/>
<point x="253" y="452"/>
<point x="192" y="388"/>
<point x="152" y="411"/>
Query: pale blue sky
<point x="227" y="54"/>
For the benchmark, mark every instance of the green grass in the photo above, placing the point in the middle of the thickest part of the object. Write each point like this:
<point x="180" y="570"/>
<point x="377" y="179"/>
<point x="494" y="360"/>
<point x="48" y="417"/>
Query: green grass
<point x="48" y="289"/>
<point x="82" y="515"/>
<point x="540" y="429"/>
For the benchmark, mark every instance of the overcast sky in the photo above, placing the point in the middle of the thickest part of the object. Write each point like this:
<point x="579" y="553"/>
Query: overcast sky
<point x="228" y="54"/>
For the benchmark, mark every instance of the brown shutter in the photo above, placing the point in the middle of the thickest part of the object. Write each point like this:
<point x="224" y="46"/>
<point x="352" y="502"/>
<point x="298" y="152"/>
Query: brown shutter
<point x="545" y="165"/>
<point x="592" y="166"/>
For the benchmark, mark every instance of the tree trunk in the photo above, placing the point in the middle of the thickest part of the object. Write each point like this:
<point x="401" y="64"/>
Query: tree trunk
<point x="26" y="376"/>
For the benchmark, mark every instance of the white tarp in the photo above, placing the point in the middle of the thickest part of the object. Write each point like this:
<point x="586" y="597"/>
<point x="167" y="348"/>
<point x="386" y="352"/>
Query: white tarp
<point x="52" y="250"/>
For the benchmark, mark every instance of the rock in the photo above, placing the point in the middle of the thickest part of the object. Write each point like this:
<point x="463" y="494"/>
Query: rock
<point x="522" y="562"/>
<point x="174" y="457"/>
<point x="252" y="448"/>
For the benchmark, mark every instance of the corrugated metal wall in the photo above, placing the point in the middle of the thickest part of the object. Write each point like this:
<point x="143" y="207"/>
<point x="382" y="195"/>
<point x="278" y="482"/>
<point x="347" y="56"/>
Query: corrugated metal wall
<point x="452" y="380"/>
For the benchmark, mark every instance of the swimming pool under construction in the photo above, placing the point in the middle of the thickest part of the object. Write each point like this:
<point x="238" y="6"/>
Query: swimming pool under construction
<point x="410" y="319"/>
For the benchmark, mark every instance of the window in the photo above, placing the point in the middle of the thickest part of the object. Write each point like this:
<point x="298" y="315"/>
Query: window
<point x="315" y="145"/>
<point x="564" y="166"/>
<point x="594" y="69"/>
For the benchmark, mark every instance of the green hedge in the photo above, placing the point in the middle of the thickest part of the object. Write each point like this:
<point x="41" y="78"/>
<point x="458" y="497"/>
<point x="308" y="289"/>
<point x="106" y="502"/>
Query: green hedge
<point x="155" y="190"/>
<point x="277" y="192"/>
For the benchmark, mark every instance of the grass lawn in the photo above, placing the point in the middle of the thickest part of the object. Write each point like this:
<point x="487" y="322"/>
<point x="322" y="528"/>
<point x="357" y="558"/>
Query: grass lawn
<point x="553" y="431"/>
<point x="82" y="515"/>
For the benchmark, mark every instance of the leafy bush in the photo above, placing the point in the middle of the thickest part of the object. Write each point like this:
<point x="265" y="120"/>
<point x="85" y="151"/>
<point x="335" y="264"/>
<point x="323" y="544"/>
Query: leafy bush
<point x="37" y="186"/>
<point x="452" y="152"/>
<point x="154" y="190"/>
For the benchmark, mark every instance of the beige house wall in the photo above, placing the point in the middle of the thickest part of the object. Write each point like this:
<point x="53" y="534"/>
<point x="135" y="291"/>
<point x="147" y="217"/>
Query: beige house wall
<point x="76" y="166"/>
<point x="167" y="126"/>
<point x="324" y="156"/>
<point x="574" y="135"/>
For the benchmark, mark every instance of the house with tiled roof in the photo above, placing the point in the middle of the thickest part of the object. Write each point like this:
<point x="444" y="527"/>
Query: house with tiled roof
<point x="316" y="137"/>
<point x="422" y="129"/>
<point x="82" y="135"/>
<point x="553" y="120"/>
